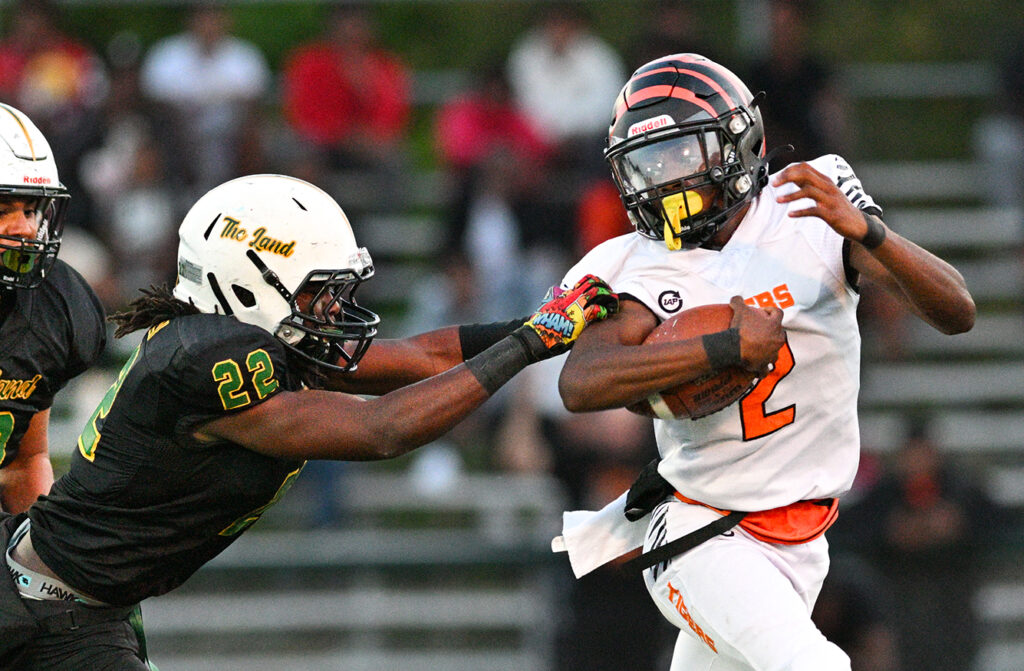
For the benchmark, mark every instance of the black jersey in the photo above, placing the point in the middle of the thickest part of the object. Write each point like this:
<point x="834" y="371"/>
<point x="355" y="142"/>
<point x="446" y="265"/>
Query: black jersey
<point x="145" y="504"/>
<point x="48" y="335"/>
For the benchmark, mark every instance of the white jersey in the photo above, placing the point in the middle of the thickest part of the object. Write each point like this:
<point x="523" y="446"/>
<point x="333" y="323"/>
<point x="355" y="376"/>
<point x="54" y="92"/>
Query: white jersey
<point x="795" y="436"/>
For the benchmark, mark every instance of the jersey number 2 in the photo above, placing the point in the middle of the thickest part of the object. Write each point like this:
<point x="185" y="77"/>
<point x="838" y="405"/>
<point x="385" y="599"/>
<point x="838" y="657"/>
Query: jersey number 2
<point x="758" y="422"/>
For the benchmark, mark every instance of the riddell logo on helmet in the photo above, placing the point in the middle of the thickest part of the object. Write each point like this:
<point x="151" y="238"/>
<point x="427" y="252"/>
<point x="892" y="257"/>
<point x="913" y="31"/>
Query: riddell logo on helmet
<point x="36" y="180"/>
<point x="649" y="125"/>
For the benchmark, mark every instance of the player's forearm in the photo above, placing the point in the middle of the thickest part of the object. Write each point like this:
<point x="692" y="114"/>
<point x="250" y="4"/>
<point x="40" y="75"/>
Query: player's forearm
<point x="392" y="364"/>
<point x="400" y="421"/>
<point x="24" y="481"/>
<point x="932" y="287"/>
<point x="603" y="377"/>
<point x="420" y="413"/>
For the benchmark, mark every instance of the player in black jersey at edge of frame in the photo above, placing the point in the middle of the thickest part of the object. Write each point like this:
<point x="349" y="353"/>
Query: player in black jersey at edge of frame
<point x="245" y="371"/>
<point x="51" y="323"/>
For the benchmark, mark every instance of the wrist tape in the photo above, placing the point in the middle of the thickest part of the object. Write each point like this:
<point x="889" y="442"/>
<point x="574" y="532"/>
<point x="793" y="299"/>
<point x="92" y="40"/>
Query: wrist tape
<point x="876" y="232"/>
<point x="500" y="362"/>
<point x="723" y="349"/>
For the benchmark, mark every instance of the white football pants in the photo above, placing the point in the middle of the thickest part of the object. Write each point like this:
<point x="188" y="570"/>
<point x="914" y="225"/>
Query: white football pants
<point x="741" y="604"/>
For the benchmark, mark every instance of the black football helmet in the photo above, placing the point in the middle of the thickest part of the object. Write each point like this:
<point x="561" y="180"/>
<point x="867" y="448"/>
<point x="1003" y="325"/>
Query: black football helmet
<point x="686" y="148"/>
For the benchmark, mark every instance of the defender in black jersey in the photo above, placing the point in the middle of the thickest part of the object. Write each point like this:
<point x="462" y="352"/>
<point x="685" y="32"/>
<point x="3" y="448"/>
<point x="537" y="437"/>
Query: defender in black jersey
<point x="51" y="323"/>
<point x="239" y="379"/>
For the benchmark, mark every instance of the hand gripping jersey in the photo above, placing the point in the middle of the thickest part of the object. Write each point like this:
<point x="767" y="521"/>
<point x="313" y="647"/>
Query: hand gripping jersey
<point x="144" y="504"/>
<point x="48" y="335"/>
<point x="795" y="435"/>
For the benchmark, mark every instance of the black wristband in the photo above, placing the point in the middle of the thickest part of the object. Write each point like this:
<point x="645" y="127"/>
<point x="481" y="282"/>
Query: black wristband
<point x="876" y="232"/>
<point x="723" y="349"/>
<point x="500" y="362"/>
<point x="475" y="338"/>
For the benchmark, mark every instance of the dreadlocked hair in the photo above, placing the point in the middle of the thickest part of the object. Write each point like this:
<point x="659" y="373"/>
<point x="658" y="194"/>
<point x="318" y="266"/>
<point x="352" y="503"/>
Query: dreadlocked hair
<point x="156" y="305"/>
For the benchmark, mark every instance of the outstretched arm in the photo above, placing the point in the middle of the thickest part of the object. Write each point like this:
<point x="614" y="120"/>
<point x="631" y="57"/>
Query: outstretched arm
<point x="315" y="424"/>
<point x="924" y="283"/>
<point x="392" y="364"/>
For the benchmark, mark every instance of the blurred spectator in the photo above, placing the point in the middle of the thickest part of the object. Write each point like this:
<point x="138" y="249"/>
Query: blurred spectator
<point x="999" y="135"/>
<point x="348" y="96"/>
<point x="136" y="175"/>
<point x="44" y="71"/>
<point x="493" y="240"/>
<point x="473" y="126"/>
<point x="473" y="129"/>
<point x="804" y="106"/>
<point x="216" y="83"/>
<point x="671" y="27"/>
<point x="853" y="611"/>
<point x="600" y="215"/>
<point x="923" y="525"/>
<point x="59" y="82"/>
<point x="502" y="220"/>
<point x="562" y="75"/>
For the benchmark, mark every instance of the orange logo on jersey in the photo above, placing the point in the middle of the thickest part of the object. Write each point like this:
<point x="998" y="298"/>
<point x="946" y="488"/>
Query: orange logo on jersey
<point x="675" y="597"/>
<point x="778" y="297"/>
<point x="17" y="389"/>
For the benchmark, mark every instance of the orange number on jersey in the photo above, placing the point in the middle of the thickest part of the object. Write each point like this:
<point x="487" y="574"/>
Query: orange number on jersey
<point x="757" y="422"/>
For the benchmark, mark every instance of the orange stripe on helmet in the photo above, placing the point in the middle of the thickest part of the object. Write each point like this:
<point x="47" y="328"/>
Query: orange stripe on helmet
<point x="667" y="90"/>
<point x="713" y="84"/>
<point x="656" y="71"/>
<point x="725" y="72"/>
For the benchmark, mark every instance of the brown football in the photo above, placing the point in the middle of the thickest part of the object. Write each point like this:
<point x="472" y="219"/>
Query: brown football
<point x="708" y="393"/>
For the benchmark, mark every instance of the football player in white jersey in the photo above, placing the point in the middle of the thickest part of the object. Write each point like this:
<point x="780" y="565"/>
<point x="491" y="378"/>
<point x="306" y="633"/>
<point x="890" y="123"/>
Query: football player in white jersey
<point x="788" y="250"/>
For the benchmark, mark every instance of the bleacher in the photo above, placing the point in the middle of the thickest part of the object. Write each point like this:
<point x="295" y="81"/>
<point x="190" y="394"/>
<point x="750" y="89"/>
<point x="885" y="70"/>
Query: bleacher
<point x="419" y="579"/>
<point x="972" y="384"/>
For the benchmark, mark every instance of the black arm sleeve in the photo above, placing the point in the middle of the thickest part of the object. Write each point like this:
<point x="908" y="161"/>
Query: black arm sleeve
<point x="475" y="338"/>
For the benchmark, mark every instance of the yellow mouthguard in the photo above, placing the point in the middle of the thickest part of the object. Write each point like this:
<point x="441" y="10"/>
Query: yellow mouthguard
<point x="679" y="206"/>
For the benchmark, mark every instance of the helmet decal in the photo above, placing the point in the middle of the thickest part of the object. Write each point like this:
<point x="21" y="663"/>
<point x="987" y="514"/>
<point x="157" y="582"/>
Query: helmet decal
<point x="649" y="125"/>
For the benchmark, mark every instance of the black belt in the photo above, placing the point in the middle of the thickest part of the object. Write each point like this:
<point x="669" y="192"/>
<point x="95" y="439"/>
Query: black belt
<point x="644" y="495"/>
<point x="684" y="543"/>
<point x="59" y="616"/>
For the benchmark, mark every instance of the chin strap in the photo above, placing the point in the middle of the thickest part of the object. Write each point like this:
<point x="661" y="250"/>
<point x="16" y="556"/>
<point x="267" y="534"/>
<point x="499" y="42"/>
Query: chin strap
<point x="762" y="172"/>
<point x="269" y="276"/>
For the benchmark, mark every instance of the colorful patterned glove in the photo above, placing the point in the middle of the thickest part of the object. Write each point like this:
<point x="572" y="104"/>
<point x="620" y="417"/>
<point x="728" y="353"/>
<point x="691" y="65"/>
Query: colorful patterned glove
<point x="556" y="324"/>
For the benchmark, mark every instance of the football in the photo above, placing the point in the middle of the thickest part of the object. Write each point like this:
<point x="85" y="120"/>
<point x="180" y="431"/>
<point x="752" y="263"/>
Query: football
<point x="706" y="394"/>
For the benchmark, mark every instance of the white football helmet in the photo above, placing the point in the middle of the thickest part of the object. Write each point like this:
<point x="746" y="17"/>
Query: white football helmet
<point x="27" y="171"/>
<point x="279" y="253"/>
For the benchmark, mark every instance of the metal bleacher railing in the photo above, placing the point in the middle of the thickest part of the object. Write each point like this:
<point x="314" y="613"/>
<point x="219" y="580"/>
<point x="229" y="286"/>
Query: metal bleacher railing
<point x="416" y="579"/>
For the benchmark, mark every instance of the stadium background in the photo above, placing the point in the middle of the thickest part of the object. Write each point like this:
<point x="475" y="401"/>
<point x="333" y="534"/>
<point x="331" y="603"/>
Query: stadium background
<point x="439" y="560"/>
